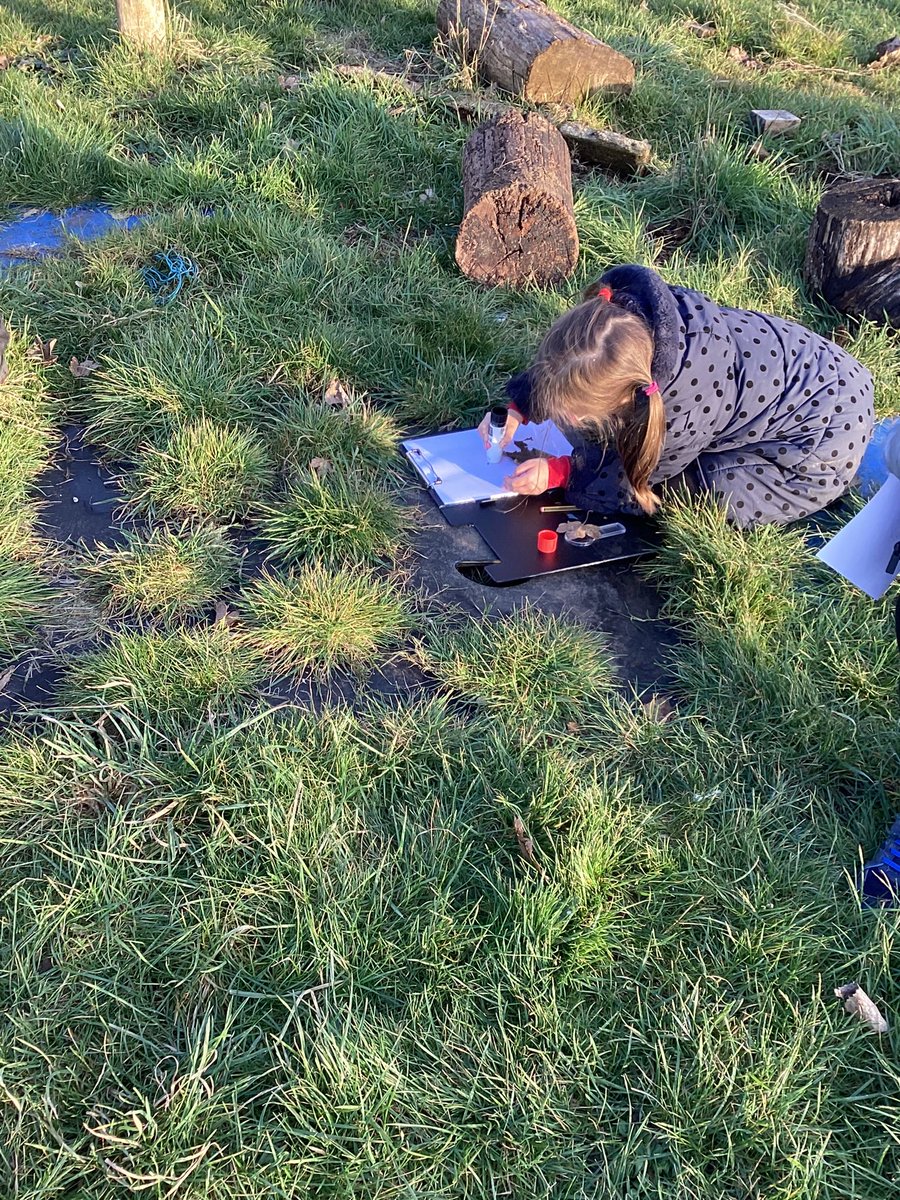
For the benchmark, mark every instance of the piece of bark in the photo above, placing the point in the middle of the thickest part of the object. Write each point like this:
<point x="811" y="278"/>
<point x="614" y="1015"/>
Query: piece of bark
<point x="528" y="50"/>
<point x="858" y="1004"/>
<point x="606" y="148"/>
<point x="518" y="223"/>
<point x="596" y="147"/>
<point x="887" y="54"/>
<point x="853" y="252"/>
<point x="773" y="120"/>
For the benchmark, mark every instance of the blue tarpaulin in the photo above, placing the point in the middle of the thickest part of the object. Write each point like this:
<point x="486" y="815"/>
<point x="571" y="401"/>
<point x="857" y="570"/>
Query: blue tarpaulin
<point x="30" y="233"/>
<point x="872" y="470"/>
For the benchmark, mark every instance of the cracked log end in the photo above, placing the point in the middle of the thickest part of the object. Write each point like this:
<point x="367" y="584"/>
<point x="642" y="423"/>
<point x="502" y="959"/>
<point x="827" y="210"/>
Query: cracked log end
<point x="518" y="224"/>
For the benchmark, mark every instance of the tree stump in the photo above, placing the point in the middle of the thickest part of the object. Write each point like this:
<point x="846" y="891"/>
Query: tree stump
<point x="518" y="223"/>
<point x="853" y="253"/>
<point x="143" y="22"/>
<point x="531" y="52"/>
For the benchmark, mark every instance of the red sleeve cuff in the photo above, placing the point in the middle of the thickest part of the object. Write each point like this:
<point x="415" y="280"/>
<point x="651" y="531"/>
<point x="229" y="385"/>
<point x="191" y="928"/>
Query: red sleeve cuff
<point x="559" y="471"/>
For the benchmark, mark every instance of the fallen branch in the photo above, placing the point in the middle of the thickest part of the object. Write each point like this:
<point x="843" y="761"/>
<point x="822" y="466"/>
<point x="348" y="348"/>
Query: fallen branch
<point x="595" y="147"/>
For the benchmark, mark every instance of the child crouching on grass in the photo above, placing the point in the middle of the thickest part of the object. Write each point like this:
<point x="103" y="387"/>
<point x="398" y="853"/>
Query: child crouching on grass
<point x="655" y="384"/>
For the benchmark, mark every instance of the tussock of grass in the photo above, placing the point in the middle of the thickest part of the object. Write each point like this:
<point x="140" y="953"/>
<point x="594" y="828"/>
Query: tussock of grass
<point x="23" y="599"/>
<point x="168" y="573"/>
<point x="530" y="665"/>
<point x="357" y="438"/>
<point x="204" y="470"/>
<point x="320" y="619"/>
<point x="187" y="674"/>
<point x="332" y="520"/>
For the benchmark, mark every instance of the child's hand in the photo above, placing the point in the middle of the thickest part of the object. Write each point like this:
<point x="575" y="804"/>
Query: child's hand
<point x="529" y="478"/>
<point x="513" y="421"/>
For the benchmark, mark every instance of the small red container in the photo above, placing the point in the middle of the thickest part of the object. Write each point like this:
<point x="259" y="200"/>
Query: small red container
<point x="547" y="539"/>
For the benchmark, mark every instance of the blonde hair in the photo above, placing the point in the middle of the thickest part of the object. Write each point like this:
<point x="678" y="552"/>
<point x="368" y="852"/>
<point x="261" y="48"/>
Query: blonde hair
<point x="587" y="372"/>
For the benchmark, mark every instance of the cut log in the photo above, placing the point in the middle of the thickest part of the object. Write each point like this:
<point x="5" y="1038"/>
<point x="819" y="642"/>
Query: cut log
<point x="853" y="253"/>
<point x="518" y="224"/>
<point x="526" y="49"/>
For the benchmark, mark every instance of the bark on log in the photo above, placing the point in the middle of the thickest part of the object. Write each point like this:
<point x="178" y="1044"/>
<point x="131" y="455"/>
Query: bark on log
<point x="518" y="225"/>
<point x="853" y="253"/>
<point x="526" y="49"/>
<point x="142" y="22"/>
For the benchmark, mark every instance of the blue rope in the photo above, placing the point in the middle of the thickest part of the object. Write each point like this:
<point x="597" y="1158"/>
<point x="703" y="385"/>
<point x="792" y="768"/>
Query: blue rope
<point x="166" y="274"/>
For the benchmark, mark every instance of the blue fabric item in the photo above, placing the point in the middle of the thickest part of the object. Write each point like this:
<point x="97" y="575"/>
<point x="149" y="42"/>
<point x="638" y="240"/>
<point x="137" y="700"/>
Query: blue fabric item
<point x="873" y="469"/>
<point x="770" y="417"/>
<point x="880" y="882"/>
<point x="28" y="235"/>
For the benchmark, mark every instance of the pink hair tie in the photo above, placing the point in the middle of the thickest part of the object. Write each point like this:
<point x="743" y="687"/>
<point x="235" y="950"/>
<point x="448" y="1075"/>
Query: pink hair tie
<point x="604" y="293"/>
<point x="652" y="388"/>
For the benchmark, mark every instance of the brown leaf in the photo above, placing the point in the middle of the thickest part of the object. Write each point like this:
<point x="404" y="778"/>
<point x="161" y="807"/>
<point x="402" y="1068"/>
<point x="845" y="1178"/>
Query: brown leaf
<point x="6" y="677"/>
<point x="224" y="615"/>
<point x="858" y="1004"/>
<point x="336" y="394"/>
<point x="739" y="55"/>
<point x="573" y="727"/>
<point x="705" y="29"/>
<point x="42" y="352"/>
<point x="320" y="467"/>
<point x="289" y="83"/>
<point x="526" y="845"/>
<point x="659" y="708"/>
<point x="82" y="369"/>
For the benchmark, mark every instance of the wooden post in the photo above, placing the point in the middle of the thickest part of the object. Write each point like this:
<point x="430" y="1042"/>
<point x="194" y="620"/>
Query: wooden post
<point x="518" y="224"/>
<point x="143" y="22"/>
<point x="853" y="253"/>
<point x="526" y="49"/>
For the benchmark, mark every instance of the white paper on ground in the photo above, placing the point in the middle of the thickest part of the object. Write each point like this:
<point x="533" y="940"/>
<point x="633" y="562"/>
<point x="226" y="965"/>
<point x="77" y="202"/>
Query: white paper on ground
<point x="455" y="465"/>
<point x="862" y="550"/>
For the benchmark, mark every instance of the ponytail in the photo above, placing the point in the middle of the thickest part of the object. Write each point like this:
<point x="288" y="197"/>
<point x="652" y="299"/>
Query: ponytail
<point x="640" y="445"/>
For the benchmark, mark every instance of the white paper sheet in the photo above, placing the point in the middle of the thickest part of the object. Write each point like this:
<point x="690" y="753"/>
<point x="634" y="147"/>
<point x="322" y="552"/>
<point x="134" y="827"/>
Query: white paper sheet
<point x="862" y="550"/>
<point x="455" y="465"/>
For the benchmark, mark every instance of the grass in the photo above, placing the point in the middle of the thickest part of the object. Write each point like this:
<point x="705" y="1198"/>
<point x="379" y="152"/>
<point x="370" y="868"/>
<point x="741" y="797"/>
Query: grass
<point x="204" y="470"/>
<point x="524" y="936"/>
<point x="320" y="619"/>
<point x="23" y="598"/>
<point x="332" y="520"/>
<point x="168" y="573"/>
<point x="536" y="667"/>
<point x="169" y="673"/>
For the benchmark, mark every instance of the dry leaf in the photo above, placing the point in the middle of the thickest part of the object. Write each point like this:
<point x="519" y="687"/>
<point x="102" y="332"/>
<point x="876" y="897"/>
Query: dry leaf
<point x="224" y="615"/>
<point x="739" y="55"/>
<point x="658" y="708"/>
<point x="336" y="394"/>
<point x="289" y="83"/>
<point x="706" y="29"/>
<point x="6" y="677"/>
<point x="42" y="352"/>
<point x="82" y="369"/>
<point x="573" y="727"/>
<point x="526" y="845"/>
<point x="858" y="1004"/>
<point x="320" y="467"/>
